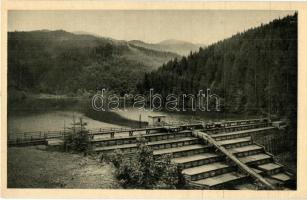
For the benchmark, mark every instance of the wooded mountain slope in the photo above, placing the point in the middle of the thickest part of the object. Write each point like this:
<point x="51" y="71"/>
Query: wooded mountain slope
<point x="254" y="71"/>
<point x="63" y="62"/>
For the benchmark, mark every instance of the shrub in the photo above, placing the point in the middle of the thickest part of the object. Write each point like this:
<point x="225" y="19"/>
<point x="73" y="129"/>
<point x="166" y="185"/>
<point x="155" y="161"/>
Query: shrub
<point x="78" y="142"/>
<point x="115" y="157"/>
<point x="143" y="170"/>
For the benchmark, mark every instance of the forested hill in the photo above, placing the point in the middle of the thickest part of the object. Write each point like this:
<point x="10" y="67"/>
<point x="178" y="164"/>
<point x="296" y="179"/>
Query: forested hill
<point x="254" y="71"/>
<point x="63" y="62"/>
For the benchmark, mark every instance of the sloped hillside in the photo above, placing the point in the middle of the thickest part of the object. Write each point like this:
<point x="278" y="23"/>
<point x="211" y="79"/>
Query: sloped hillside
<point x="63" y="62"/>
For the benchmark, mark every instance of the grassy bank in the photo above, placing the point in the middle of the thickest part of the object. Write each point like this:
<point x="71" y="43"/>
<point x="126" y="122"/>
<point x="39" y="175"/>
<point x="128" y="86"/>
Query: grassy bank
<point x="33" y="167"/>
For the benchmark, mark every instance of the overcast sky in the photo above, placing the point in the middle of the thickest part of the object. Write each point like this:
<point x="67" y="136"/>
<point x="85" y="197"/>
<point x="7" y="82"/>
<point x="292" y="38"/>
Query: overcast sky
<point x="201" y="26"/>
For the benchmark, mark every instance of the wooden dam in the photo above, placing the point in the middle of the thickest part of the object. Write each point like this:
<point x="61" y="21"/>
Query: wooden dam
<point x="219" y="155"/>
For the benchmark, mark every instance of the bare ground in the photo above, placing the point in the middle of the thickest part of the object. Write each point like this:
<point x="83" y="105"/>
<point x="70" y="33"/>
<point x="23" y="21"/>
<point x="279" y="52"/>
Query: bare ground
<point x="35" y="167"/>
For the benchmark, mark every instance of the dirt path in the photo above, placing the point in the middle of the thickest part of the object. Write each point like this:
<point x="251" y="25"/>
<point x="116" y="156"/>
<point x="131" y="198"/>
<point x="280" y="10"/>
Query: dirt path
<point x="34" y="167"/>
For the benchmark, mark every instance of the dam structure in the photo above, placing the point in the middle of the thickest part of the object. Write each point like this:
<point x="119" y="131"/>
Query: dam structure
<point x="210" y="155"/>
<point x="220" y="155"/>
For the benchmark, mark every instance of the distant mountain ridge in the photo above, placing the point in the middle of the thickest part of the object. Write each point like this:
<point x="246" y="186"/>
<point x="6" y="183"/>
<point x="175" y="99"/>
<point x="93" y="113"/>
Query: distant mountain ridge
<point x="170" y="45"/>
<point x="180" y="47"/>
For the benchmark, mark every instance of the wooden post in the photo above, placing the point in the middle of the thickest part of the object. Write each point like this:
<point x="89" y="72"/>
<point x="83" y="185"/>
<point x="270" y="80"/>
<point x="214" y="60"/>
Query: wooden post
<point x="130" y="133"/>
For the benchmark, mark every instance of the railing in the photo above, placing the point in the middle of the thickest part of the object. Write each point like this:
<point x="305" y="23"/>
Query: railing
<point x="31" y="137"/>
<point x="107" y="130"/>
<point x="235" y="127"/>
<point x="14" y="138"/>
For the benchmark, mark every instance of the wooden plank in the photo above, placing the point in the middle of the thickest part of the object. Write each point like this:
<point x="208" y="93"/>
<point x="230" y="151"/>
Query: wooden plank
<point x="179" y="149"/>
<point x="196" y="157"/>
<point x="205" y="168"/>
<point x="220" y="179"/>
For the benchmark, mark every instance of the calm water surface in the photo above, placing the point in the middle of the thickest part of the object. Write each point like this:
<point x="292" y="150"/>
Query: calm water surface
<point x="50" y="121"/>
<point x="53" y="120"/>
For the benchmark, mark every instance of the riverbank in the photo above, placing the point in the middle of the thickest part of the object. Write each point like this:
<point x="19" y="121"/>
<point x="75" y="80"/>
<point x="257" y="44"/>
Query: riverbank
<point x="114" y="118"/>
<point x="36" y="167"/>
